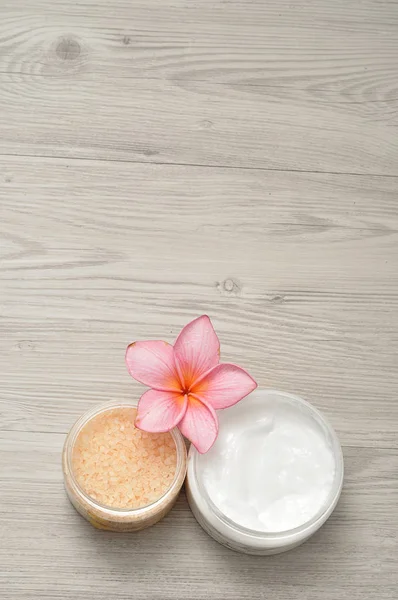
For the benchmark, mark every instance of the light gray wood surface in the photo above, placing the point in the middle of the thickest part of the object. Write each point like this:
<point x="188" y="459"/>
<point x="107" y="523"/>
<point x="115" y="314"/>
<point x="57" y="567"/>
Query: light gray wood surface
<point x="160" y="160"/>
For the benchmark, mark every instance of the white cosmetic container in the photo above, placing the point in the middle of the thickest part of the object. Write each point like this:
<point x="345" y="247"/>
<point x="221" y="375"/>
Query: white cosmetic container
<point x="272" y="478"/>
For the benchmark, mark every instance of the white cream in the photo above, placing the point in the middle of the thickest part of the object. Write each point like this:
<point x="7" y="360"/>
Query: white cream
<point x="272" y="467"/>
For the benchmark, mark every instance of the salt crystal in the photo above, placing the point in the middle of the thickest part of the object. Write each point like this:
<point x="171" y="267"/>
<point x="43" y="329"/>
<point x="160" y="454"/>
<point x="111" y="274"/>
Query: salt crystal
<point x="139" y="466"/>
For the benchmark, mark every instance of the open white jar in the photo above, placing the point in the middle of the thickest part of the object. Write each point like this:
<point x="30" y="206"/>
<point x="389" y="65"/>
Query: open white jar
<point x="272" y="478"/>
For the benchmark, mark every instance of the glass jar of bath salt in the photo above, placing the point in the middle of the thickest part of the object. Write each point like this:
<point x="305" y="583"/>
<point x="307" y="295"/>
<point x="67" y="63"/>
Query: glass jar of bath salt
<point x="272" y="478"/>
<point x="118" y="477"/>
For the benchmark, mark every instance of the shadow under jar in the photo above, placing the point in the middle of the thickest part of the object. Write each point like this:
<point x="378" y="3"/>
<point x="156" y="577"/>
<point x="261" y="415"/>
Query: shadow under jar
<point x="118" y="477"/>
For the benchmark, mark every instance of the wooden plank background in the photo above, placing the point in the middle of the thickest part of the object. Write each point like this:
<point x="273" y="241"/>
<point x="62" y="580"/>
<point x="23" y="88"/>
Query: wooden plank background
<point x="162" y="159"/>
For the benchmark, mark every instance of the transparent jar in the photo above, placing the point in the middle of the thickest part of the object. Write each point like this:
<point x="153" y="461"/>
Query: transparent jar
<point x="221" y="526"/>
<point x="119" y="519"/>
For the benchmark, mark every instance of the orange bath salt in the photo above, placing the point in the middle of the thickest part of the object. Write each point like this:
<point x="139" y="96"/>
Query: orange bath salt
<point x="120" y="466"/>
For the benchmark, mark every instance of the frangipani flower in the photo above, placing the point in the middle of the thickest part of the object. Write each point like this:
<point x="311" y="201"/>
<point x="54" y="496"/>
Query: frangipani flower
<point x="188" y="383"/>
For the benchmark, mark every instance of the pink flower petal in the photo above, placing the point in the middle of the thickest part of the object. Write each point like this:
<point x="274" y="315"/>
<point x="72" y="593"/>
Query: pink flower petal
<point x="199" y="424"/>
<point x="197" y="349"/>
<point x="224" y="386"/>
<point x="160" y="411"/>
<point x="152" y="363"/>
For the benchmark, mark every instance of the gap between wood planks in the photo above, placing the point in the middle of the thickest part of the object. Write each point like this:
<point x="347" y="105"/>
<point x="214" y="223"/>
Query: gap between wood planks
<point x="64" y="433"/>
<point x="200" y="165"/>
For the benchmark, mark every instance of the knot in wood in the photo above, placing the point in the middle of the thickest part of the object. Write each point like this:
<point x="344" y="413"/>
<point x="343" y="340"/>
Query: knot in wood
<point x="68" y="49"/>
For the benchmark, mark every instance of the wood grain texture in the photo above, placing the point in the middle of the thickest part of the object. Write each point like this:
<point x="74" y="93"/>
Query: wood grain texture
<point x="316" y="83"/>
<point x="159" y="160"/>
<point x="193" y="123"/>
<point x="297" y="269"/>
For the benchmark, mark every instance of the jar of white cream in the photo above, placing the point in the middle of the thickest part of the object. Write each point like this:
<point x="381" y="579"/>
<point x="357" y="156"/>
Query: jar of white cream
<point x="272" y="478"/>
